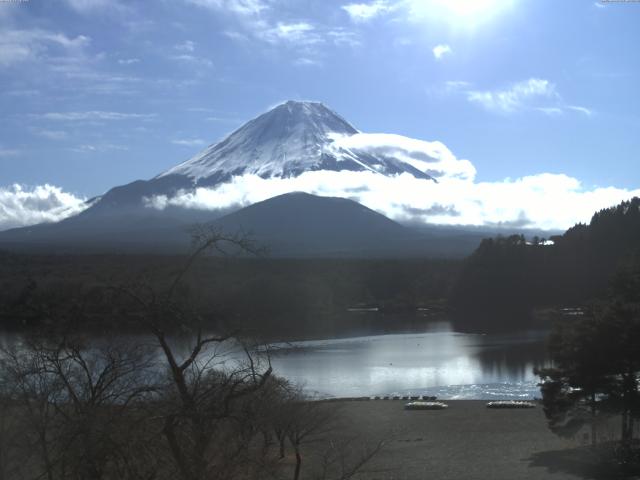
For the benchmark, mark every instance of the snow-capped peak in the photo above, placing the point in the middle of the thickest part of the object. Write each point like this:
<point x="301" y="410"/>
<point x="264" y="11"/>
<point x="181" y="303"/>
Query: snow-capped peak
<point x="286" y="141"/>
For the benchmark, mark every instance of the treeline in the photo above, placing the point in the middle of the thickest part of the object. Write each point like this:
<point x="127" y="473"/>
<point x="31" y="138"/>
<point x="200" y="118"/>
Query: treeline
<point x="594" y="378"/>
<point x="279" y="298"/>
<point x="497" y="287"/>
<point x="506" y="278"/>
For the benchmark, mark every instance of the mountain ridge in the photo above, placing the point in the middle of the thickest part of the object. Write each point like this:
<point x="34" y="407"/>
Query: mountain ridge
<point x="290" y="139"/>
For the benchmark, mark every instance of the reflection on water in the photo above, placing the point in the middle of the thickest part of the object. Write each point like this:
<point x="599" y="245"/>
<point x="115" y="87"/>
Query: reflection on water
<point x="438" y="362"/>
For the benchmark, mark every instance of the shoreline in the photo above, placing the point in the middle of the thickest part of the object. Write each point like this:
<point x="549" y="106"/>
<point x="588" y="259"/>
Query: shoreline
<point x="465" y="441"/>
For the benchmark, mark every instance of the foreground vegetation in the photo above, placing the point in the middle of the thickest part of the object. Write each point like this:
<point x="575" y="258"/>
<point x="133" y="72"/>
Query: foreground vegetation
<point x="595" y="376"/>
<point x="76" y="408"/>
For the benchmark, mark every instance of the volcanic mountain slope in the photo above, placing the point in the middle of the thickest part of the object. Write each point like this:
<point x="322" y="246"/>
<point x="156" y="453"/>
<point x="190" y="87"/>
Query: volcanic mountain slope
<point x="287" y="141"/>
<point x="290" y="139"/>
<point x="290" y="225"/>
<point x="302" y="225"/>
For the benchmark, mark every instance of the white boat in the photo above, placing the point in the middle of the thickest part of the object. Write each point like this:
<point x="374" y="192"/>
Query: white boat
<point x="425" y="406"/>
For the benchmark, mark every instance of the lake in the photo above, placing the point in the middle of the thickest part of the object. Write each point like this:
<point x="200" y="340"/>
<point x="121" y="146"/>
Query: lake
<point x="434" y="361"/>
<point x="438" y="362"/>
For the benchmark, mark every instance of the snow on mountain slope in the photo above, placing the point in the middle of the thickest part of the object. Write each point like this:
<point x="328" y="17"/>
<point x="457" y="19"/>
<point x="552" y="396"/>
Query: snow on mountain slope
<point x="292" y="138"/>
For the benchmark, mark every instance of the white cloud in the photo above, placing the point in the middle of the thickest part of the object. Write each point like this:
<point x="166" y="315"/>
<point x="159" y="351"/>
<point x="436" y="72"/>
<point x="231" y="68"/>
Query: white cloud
<point x="189" y="142"/>
<point x="293" y="33"/>
<point x="51" y="134"/>
<point x="9" y="152"/>
<point x="307" y="62"/>
<point x="20" y="206"/>
<point x="128" y="61"/>
<point x="433" y="158"/>
<point x="342" y="37"/>
<point x="238" y="7"/>
<point x="552" y="111"/>
<point x="364" y="12"/>
<point x="519" y="96"/>
<point x="193" y="59"/>
<point x="586" y="111"/>
<point x="255" y="20"/>
<point x="27" y="45"/>
<point x="186" y="46"/>
<point x="94" y="115"/>
<point x="533" y="94"/>
<point x="440" y="51"/>
<point x="92" y="6"/>
<point x="452" y="86"/>
<point x="99" y="148"/>
<point x="546" y="201"/>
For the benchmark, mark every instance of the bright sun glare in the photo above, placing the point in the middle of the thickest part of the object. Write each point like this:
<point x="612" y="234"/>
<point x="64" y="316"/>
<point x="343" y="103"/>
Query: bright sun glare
<point x="460" y="12"/>
<point x="465" y="8"/>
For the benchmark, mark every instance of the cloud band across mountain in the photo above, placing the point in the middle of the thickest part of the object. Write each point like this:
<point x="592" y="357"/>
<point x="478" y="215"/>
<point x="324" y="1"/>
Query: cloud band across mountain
<point x="546" y="201"/>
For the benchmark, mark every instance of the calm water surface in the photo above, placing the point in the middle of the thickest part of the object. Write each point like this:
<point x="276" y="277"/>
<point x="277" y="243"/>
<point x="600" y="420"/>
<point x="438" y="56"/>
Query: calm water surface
<point x="437" y="362"/>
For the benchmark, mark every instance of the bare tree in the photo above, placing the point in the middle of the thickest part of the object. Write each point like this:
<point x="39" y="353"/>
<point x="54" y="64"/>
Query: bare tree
<point x="204" y="408"/>
<point x="74" y="402"/>
<point x="202" y="392"/>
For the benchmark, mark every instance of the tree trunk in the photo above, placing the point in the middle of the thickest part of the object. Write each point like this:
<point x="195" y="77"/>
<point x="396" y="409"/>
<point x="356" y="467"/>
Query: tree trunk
<point x="266" y="442"/>
<point x="281" y="439"/>
<point x="593" y="420"/>
<point x="628" y="388"/>
<point x="296" y="474"/>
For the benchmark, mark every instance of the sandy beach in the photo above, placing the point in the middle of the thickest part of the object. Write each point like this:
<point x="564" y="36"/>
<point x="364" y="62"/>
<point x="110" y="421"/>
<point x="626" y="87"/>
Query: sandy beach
<point x="465" y="441"/>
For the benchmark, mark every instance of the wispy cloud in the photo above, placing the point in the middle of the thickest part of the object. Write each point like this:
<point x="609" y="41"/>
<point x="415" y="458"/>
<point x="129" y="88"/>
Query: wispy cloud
<point x="128" y="61"/>
<point x="515" y="98"/>
<point x="99" y="148"/>
<point x="93" y="115"/>
<point x="533" y="94"/>
<point x="364" y="12"/>
<point x="238" y="7"/>
<point x="584" y="110"/>
<point x="551" y="111"/>
<point x="94" y="6"/>
<point x="293" y="33"/>
<point x="8" y="152"/>
<point x="18" y="46"/>
<point x="186" y="46"/>
<point x="193" y="59"/>
<point x="307" y="62"/>
<point x="439" y="51"/>
<point x="256" y="20"/>
<point x="189" y="142"/>
<point x="51" y="134"/>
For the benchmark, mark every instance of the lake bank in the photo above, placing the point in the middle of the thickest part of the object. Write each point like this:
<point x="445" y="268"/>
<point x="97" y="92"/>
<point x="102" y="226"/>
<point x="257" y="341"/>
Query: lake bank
<point x="465" y="441"/>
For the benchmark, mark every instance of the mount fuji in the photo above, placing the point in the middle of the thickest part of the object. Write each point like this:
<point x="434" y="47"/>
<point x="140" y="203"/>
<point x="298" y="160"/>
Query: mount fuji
<point x="292" y="138"/>
<point x="289" y="140"/>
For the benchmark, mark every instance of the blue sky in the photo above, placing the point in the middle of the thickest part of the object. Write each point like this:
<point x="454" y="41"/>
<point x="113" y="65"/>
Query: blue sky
<point x="97" y="93"/>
